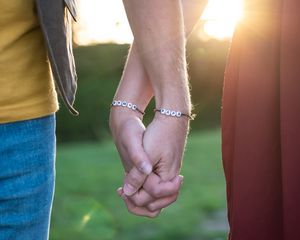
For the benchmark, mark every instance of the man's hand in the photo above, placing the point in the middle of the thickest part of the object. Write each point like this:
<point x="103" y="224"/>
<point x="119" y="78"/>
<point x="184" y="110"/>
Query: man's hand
<point x="164" y="142"/>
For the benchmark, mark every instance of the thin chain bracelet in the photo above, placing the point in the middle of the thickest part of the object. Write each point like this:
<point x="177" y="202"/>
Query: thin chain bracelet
<point x="118" y="103"/>
<point x="173" y="113"/>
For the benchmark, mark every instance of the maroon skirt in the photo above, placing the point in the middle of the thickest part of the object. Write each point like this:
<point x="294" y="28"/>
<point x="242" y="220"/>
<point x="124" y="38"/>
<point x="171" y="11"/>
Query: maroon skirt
<point x="261" y="123"/>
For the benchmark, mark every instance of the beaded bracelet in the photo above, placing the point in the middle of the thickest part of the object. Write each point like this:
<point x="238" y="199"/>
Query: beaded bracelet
<point x="173" y="113"/>
<point x="118" y="103"/>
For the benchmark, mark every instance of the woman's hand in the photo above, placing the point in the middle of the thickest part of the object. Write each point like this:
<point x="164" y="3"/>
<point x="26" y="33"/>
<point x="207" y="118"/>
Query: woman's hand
<point x="128" y="130"/>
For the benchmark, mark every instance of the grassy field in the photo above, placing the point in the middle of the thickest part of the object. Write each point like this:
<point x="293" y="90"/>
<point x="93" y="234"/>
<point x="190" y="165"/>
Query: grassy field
<point x="86" y="206"/>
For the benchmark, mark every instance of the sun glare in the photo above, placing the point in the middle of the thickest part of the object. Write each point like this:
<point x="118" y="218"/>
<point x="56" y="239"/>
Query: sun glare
<point x="102" y="21"/>
<point x="221" y="17"/>
<point x="105" y="21"/>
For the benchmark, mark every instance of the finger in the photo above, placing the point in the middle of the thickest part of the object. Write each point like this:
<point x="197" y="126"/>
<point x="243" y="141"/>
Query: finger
<point x="120" y="191"/>
<point x="162" y="203"/>
<point x="141" y="198"/>
<point x="134" y="146"/>
<point x="139" y="211"/>
<point x="127" y="164"/>
<point x="160" y="189"/>
<point x="134" y="180"/>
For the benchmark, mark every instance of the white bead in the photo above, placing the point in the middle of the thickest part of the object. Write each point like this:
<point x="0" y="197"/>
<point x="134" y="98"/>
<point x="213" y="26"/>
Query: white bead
<point x="129" y="105"/>
<point x="173" y="113"/>
<point x="178" y="114"/>
<point x="114" y="103"/>
<point x="168" y="112"/>
<point x="163" y="111"/>
<point x="119" y="103"/>
<point x="124" y="104"/>
<point x="134" y="107"/>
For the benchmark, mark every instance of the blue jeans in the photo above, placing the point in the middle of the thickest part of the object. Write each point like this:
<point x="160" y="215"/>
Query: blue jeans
<point x="27" y="176"/>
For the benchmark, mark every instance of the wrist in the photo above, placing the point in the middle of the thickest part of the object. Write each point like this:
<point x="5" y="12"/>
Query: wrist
<point x="179" y="123"/>
<point x="140" y="101"/>
<point x="180" y="101"/>
<point x="174" y="113"/>
<point x="119" y="115"/>
<point x="125" y="104"/>
<point x="173" y="93"/>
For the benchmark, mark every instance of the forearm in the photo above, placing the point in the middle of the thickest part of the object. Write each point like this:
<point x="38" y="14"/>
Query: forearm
<point x="159" y="34"/>
<point x="192" y="10"/>
<point x="134" y="85"/>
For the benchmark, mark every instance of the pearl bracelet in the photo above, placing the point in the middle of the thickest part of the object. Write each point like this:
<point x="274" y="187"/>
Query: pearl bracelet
<point x="118" y="103"/>
<point x="173" y="113"/>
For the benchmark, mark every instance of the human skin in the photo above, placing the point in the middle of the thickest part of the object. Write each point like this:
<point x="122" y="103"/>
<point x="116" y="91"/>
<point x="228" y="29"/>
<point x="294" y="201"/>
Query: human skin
<point x="156" y="66"/>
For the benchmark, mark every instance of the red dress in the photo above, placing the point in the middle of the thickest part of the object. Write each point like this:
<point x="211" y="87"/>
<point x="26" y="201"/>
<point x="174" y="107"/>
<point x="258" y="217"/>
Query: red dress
<point x="261" y="123"/>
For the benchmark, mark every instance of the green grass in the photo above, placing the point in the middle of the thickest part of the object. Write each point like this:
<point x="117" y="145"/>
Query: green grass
<point x="86" y="206"/>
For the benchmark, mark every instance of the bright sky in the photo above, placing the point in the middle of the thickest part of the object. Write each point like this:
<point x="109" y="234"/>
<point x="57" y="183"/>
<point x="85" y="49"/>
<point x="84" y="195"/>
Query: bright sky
<point x="105" y="21"/>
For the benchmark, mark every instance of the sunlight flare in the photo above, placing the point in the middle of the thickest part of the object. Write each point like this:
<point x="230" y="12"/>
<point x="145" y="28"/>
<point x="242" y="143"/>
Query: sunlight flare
<point x="221" y="17"/>
<point x="102" y="21"/>
<point x="105" y="21"/>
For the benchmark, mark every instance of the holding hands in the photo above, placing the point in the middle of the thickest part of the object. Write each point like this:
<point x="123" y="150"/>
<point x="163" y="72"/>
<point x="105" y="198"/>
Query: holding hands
<point x="156" y="66"/>
<point x="147" y="192"/>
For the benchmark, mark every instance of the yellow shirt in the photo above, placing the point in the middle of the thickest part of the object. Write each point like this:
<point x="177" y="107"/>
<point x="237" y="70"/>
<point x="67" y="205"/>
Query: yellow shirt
<point x="26" y="85"/>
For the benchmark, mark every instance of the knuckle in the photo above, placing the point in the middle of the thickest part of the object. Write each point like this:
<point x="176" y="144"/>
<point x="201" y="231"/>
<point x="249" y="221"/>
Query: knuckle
<point x="151" y="190"/>
<point x="151" y="207"/>
<point x="136" y="157"/>
<point x="137" y="201"/>
<point x="156" y="192"/>
<point x="140" y="166"/>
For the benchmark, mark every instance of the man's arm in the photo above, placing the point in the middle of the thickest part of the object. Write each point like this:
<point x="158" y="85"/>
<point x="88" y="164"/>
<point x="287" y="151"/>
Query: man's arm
<point x="158" y="31"/>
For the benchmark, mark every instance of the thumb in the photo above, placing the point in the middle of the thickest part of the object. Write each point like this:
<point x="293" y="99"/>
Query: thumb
<point x="136" y="153"/>
<point x="136" y="177"/>
<point x="142" y="165"/>
<point x="134" y="180"/>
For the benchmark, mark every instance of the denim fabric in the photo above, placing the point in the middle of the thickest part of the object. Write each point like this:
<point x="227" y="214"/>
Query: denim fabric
<point x="27" y="176"/>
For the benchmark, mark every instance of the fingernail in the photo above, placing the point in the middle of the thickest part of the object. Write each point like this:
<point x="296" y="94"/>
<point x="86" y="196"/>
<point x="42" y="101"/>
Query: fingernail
<point x="119" y="191"/>
<point x="180" y="178"/>
<point x="128" y="189"/>
<point x="146" y="168"/>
